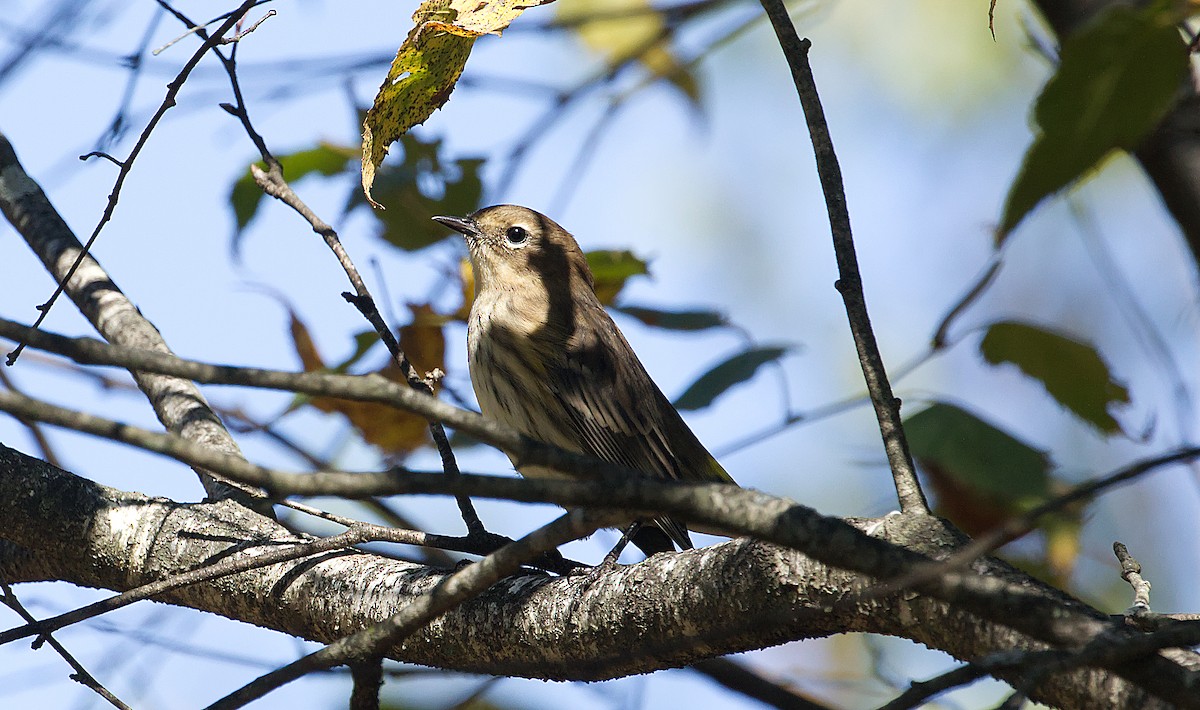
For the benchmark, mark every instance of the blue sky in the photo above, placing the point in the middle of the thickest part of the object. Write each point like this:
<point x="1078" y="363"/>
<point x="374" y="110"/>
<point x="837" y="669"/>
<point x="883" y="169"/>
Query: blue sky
<point x="929" y="116"/>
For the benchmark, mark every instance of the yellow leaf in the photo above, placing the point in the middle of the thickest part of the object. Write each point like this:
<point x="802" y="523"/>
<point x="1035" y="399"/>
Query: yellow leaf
<point x="489" y="17"/>
<point x="302" y="340"/>
<point x="629" y="29"/>
<point x="419" y="81"/>
<point x="425" y="70"/>
<point x="466" y="276"/>
<point x="395" y="432"/>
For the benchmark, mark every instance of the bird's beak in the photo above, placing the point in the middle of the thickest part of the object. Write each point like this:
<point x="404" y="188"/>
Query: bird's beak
<point x="463" y="225"/>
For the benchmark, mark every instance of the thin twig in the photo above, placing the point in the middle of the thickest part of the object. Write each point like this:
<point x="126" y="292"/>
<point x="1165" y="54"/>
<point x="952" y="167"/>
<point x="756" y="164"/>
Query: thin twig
<point x="135" y="61"/>
<point x="849" y="283"/>
<point x="1131" y="572"/>
<point x="981" y="285"/>
<point x="740" y="679"/>
<point x="173" y="89"/>
<point x="1139" y="614"/>
<point x="81" y="674"/>
<point x="920" y="692"/>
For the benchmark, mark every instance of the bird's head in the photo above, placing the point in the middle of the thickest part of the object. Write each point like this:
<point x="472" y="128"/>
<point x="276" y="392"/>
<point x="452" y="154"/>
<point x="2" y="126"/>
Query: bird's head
<point x="511" y="246"/>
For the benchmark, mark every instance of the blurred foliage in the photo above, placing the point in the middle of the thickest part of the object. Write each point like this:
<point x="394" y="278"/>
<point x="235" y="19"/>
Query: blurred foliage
<point x="1115" y="80"/>
<point x="422" y="186"/>
<point x="415" y="189"/>
<point x="982" y="476"/>
<point x="396" y="433"/>
<point x="611" y="269"/>
<point x="627" y="30"/>
<point x="246" y="196"/>
<point x="729" y="372"/>
<point x="1072" y="372"/>
<point x="675" y="320"/>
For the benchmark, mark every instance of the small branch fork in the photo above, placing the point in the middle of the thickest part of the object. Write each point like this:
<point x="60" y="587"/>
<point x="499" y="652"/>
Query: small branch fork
<point x="849" y="283"/>
<point x="1139" y="614"/>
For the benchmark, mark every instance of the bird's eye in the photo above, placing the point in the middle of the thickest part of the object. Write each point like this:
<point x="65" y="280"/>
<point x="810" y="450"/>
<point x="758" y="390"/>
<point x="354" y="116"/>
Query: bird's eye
<point x="516" y="235"/>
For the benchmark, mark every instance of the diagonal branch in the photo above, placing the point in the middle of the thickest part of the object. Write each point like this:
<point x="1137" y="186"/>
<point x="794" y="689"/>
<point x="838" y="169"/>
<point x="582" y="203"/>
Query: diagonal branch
<point x="126" y="165"/>
<point x="849" y="283"/>
<point x="177" y="402"/>
<point x="729" y="597"/>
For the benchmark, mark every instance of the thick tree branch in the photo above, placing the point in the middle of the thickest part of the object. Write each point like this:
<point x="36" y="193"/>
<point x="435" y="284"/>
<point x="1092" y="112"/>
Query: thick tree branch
<point x="452" y="591"/>
<point x="731" y="597"/>
<point x="177" y="402"/>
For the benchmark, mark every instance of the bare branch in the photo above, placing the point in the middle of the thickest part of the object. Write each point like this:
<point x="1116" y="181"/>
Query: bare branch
<point x="126" y="165"/>
<point x="849" y="283"/>
<point x="177" y="402"/>
<point x="81" y="674"/>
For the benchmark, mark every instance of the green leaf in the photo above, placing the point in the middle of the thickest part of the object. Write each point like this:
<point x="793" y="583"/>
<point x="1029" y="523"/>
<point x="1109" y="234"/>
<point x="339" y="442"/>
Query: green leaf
<point x="326" y="159"/>
<point x="611" y="269"/>
<point x="978" y="454"/>
<point x="982" y="476"/>
<point x="1116" y="79"/>
<point x="675" y="320"/>
<point x="363" y="342"/>
<point x="423" y="185"/>
<point x="1073" y="372"/>
<point x="725" y="375"/>
<point x="426" y="70"/>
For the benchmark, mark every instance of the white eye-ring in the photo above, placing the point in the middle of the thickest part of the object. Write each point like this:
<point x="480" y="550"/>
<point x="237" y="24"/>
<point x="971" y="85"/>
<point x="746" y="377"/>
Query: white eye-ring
<point x="516" y="236"/>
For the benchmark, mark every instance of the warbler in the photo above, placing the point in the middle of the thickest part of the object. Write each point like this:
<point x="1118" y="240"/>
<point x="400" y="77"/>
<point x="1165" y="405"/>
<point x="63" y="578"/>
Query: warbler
<point x="546" y="359"/>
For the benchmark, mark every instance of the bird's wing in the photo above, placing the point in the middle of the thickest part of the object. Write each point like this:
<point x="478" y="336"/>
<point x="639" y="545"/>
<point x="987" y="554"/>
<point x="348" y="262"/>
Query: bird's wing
<point x="619" y="412"/>
<point x="620" y="415"/>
